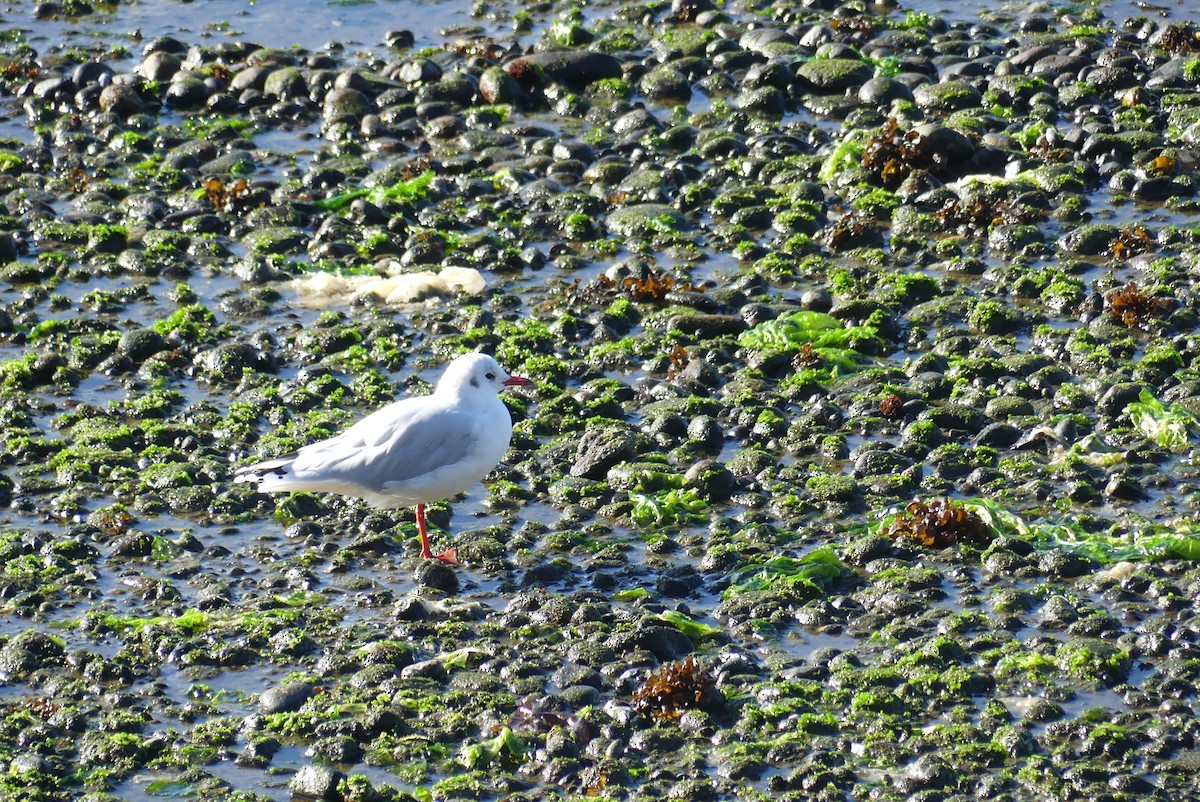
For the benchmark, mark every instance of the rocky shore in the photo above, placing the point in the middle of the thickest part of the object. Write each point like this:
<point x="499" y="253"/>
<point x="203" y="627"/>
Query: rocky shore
<point x="859" y="460"/>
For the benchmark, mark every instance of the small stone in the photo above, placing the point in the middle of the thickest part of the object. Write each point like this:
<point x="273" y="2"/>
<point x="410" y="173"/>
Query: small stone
<point x="121" y="99"/>
<point x="436" y="575"/>
<point x="285" y="699"/>
<point x="426" y="669"/>
<point x="159" y="66"/>
<point x="316" y="782"/>
<point x="575" y="68"/>
<point x="832" y="75"/>
<point x="140" y="344"/>
<point x="497" y="86"/>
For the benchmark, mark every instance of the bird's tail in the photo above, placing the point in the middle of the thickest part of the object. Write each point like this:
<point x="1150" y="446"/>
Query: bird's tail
<point x="273" y="474"/>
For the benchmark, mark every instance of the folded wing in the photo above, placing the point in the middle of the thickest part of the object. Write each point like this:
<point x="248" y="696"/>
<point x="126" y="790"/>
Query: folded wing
<point x="372" y="454"/>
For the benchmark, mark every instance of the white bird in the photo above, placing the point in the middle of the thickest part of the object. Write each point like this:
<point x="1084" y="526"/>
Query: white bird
<point x="410" y="452"/>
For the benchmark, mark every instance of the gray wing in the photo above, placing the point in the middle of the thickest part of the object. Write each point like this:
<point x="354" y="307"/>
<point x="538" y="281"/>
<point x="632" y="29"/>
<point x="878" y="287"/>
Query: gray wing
<point x="391" y="445"/>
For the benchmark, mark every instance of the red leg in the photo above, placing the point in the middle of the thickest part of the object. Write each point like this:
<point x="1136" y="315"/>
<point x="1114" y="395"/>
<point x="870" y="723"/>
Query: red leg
<point x="425" y="551"/>
<point x="450" y="556"/>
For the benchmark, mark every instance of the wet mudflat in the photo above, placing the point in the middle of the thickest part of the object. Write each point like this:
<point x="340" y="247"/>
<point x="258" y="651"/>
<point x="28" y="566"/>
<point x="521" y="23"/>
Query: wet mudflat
<point x="859" y="462"/>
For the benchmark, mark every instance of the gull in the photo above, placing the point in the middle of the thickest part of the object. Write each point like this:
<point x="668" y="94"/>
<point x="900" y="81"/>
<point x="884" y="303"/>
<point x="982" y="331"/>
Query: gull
<point x="411" y="452"/>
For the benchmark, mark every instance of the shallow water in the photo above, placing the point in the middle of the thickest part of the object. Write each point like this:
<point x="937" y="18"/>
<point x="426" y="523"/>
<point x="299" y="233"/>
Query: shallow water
<point x="309" y="24"/>
<point x="1116" y="10"/>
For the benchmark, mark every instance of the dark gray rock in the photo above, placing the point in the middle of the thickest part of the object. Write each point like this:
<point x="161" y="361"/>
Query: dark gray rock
<point x="575" y="68"/>
<point x="187" y="90"/>
<point x="600" y="449"/>
<point x="665" y="643"/>
<point x="27" y="653"/>
<point x="139" y="344"/>
<point x="436" y="575"/>
<point x="1116" y="398"/>
<point x="882" y="89"/>
<point x="121" y="99"/>
<point x="285" y="699"/>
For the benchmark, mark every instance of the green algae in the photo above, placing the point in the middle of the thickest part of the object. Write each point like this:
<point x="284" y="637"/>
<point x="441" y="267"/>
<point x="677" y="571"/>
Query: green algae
<point x="1131" y="539"/>
<point x="670" y="507"/>
<point x="193" y="322"/>
<point x="824" y="333"/>
<point x="1082" y="659"/>
<point x="813" y="574"/>
<point x="1169" y="426"/>
<point x="695" y="630"/>
<point x="505" y="747"/>
<point x="403" y="193"/>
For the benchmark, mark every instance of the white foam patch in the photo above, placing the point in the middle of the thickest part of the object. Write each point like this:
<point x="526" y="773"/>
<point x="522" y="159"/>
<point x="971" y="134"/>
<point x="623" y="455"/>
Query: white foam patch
<point x="322" y="290"/>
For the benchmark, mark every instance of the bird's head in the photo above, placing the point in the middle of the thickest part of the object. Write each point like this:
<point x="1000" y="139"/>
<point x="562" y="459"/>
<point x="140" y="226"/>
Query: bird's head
<point x="478" y="372"/>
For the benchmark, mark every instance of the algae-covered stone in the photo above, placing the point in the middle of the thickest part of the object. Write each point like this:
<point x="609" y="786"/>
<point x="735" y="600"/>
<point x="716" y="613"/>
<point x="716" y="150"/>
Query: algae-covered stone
<point x="1015" y="237"/>
<point x="947" y="96"/>
<point x="712" y="480"/>
<point x="277" y="239"/>
<point x="1090" y="239"/>
<point x="834" y="74"/>
<point x="576" y="68"/>
<point x="497" y="86"/>
<point x="643" y="220"/>
<point x="346" y="101"/>
<point x="29" y="652"/>
<point x="642" y="476"/>
<point x="666" y="83"/>
<point x="767" y="41"/>
<point x="764" y="100"/>
<point x="682" y="41"/>
<point x="600" y="448"/>
<point x="238" y="162"/>
<point x="285" y="83"/>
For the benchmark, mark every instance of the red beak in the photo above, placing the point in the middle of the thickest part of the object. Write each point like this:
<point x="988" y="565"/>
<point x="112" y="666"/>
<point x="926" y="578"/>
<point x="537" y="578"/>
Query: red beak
<point x="517" y="381"/>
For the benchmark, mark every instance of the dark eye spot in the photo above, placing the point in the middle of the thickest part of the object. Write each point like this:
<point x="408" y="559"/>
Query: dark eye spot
<point x="491" y="377"/>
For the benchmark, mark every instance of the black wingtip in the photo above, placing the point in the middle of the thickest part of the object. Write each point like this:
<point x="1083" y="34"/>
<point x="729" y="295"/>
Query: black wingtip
<point x="260" y="470"/>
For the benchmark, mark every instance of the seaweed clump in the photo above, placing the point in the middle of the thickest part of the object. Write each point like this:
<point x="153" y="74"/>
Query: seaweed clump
<point x="676" y="687"/>
<point x="980" y="213"/>
<point x="679" y="361"/>
<point x="939" y="523"/>
<point x="891" y="406"/>
<point x="890" y="155"/>
<point x="224" y="197"/>
<point x="853" y="230"/>
<point x="648" y="287"/>
<point x="1182" y="38"/>
<point x="1131" y="242"/>
<point x="1135" y="306"/>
